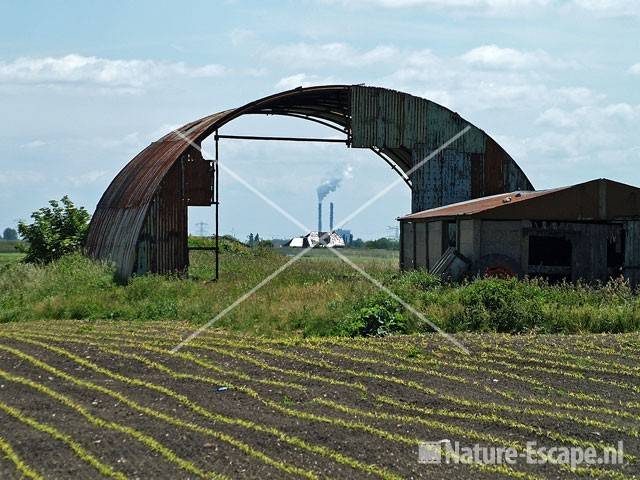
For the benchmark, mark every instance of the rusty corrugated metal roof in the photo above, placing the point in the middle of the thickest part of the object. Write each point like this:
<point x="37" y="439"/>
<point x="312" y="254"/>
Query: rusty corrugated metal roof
<point x="595" y="200"/>
<point x="477" y="205"/>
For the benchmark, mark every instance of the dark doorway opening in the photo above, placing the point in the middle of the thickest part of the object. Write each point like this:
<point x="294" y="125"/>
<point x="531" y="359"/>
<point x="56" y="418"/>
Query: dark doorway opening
<point x="615" y="254"/>
<point x="550" y="257"/>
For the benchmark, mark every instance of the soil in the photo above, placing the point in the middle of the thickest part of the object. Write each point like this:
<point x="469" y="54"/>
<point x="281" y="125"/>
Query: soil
<point x="240" y="423"/>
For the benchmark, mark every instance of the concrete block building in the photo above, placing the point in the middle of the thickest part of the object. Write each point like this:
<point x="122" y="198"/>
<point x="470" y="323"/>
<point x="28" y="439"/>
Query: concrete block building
<point x="588" y="231"/>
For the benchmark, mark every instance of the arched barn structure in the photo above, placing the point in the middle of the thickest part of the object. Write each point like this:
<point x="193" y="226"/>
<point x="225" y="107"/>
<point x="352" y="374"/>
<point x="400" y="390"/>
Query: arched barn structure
<point x="141" y="220"/>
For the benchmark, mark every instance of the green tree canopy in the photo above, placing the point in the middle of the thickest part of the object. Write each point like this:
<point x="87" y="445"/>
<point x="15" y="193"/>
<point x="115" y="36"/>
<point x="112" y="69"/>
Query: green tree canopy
<point x="10" y="234"/>
<point x="56" y="230"/>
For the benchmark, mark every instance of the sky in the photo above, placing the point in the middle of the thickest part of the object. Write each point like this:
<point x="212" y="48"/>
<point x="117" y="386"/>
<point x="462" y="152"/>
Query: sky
<point x="84" y="86"/>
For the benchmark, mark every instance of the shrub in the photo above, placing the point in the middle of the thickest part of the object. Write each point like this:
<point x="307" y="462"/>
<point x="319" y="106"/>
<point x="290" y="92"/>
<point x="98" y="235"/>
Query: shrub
<point x="57" y="230"/>
<point x="496" y="305"/>
<point x="377" y="315"/>
<point x="420" y="280"/>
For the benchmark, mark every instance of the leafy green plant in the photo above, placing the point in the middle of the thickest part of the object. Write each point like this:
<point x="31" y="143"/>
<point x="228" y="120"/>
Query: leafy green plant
<point x="378" y="315"/>
<point x="57" y="230"/>
<point x="499" y="305"/>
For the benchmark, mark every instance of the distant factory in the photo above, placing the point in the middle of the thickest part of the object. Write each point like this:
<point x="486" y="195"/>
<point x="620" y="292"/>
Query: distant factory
<point x="330" y="239"/>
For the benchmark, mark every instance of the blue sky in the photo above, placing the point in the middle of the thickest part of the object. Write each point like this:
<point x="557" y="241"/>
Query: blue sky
<point x="85" y="85"/>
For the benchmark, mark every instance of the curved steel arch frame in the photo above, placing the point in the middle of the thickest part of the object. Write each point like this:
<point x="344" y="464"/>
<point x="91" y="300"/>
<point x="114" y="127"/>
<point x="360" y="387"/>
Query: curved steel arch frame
<point x="140" y="222"/>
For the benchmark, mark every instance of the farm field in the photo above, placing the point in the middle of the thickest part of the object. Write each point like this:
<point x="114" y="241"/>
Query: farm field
<point x="9" y="253"/>
<point x="390" y="257"/>
<point x="89" y="399"/>
<point x="7" y="258"/>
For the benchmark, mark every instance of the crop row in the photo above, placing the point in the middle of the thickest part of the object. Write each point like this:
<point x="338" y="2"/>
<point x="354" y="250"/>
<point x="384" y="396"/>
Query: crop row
<point x="195" y="407"/>
<point x="411" y="384"/>
<point x="146" y="440"/>
<point x="521" y="426"/>
<point x="362" y="426"/>
<point x="9" y="453"/>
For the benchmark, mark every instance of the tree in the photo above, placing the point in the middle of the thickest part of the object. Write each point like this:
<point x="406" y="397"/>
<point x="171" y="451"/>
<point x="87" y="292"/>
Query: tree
<point x="57" y="230"/>
<point x="10" y="234"/>
<point x="257" y="239"/>
<point x="250" y="240"/>
<point x="357" y="243"/>
<point x="383" y="243"/>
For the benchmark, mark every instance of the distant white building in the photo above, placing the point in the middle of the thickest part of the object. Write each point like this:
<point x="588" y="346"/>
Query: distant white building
<point x="313" y="239"/>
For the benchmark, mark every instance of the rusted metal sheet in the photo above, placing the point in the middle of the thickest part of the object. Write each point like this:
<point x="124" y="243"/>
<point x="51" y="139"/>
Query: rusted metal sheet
<point x="494" y="160"/>
<point x="443" y="179"/>
<point x="472" y="166"/>
<point x="581" y="202"/>
<point x="387" y="118"/>
<point x="198" y="179"/>
<point x="390" y="122"/>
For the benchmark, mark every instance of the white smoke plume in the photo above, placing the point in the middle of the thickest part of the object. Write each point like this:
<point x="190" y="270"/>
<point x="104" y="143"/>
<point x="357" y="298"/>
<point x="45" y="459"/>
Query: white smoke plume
<point x="332" y="183"/>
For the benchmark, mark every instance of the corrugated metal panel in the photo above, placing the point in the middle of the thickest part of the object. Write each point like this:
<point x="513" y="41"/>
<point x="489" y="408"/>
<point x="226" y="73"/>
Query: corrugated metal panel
<point x="471" y="167"/>
<point x="632" y="252"/>
<point x="408" y="252"/>
<point x="442" y="180"/>
<point x="421" y="248"/>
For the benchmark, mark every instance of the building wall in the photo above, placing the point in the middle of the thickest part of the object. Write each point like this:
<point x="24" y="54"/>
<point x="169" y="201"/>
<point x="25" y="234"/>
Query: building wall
<point x="421" y="245"/>
<point x="504" y="246"/>
<point x="407" y="260"/>
<point x="434" y="241"/>
<point x="499" y="244"/>
<point x="162" y="245"/>
<point x="632" y="251"/>
<point x="468" y="238"/>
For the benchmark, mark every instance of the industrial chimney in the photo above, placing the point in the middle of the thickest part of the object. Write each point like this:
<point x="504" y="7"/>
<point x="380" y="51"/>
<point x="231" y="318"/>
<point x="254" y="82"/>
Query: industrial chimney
<point x="331" y="217"/>
<point x="319" y="217"/>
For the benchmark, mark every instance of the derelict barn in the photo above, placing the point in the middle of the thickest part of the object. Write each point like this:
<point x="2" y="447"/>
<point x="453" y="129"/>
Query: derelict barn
<point x="140" y="223"/>
<point x="588" y="231"/>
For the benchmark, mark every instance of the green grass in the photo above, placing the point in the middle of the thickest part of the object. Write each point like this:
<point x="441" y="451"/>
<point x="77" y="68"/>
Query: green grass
<point x="315" y="296"/>
<point x="9" y="246"/>
<point x="354" y="254"/>
<point x="7" y="258"/>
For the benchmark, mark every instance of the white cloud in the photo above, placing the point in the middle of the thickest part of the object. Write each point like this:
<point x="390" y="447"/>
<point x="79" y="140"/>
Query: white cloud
<point x="302" y="80"/>
<point x="495" y="5"/>
<point x="590" y="117"/>
<point x="635" y="69"/>
<point x="20" y="178"/>
<point x="610" y="7"/>
<point x="86" y="178"/>
<point x="78" y="69"/>
<point x="240" y="36"/>
<point x="305" y="55"/>
<point x="506" y="7"/>
<point x="493" y="56"/>
<point x="33" y="144"/>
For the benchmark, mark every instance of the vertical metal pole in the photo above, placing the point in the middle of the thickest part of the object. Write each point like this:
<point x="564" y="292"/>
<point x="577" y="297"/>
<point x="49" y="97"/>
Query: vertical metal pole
<point x="217" y="203"/>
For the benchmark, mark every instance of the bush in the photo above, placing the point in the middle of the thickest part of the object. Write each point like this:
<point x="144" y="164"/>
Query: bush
<point x="420" y="280"/>
<point x="496" y="305"/>
<point x="56" y="231"/>
<point x="378" y="315"/>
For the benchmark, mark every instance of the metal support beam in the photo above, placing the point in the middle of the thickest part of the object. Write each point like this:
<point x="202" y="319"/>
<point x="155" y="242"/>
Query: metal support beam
<point x="395" y="168"/>
<point x="216" y="201"/>
<point x="286" y="139"/>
